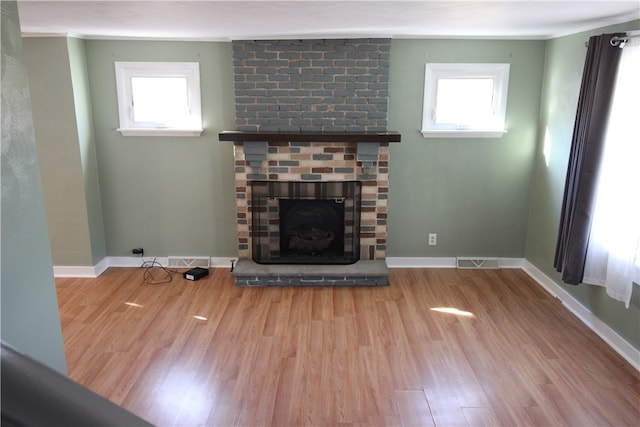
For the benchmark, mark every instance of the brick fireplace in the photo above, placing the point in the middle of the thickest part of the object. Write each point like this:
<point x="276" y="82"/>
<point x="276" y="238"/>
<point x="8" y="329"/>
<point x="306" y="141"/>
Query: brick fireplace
<point x="313" y="111"/>
<point x="318" y="161"/>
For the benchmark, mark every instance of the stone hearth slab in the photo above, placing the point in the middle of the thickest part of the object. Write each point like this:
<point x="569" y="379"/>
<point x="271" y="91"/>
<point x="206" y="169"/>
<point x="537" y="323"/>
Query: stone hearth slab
<point x="361" y="273"/>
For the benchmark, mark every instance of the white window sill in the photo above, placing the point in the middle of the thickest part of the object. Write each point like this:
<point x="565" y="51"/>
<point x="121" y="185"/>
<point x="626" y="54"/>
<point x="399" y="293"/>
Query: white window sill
<point x="160" y="132"/>
<point x="463" y="133"/>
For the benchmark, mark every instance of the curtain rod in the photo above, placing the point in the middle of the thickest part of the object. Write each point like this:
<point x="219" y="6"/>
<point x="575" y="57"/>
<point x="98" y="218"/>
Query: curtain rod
<point x="620" y="41"/>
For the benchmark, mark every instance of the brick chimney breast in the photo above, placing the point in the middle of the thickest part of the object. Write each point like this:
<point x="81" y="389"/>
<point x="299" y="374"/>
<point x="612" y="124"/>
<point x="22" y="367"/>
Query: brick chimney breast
<point x="333" y="85"/>
<point x="312" y="111"/>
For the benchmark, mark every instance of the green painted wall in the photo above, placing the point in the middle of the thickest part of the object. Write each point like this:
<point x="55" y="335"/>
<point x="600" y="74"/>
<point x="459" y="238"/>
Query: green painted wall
<point x="29" y="317"/>
<point x="86" y="140"/>
<point x="442" y="186"/>
<point x="563" y="72"/>
<point x="171" y="196"/>
<point x="474" y="193"/>
<point x="61" y="163"/>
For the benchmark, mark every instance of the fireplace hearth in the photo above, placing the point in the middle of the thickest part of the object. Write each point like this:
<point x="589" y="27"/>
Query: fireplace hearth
<point x="305" y="222"/>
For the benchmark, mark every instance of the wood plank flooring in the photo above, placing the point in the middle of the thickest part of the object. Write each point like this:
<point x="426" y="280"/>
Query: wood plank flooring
<point x="208" y="353"/>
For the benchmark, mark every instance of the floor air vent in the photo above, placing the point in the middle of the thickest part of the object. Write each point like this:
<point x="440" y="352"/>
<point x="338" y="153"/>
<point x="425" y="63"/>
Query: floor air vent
<point x="477" y="263"/>
<point x="188" y="262"/>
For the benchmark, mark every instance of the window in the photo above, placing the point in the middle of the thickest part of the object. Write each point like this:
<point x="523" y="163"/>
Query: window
<point x="159" y="98"/>
<point x="465" y="100"/>
<point x="613" y="252"/>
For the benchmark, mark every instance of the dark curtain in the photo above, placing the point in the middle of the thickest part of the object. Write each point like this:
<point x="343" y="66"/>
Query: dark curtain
<point x="594" y="103"/>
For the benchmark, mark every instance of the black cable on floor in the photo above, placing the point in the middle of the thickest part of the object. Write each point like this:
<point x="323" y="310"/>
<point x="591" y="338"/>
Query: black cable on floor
<point x="155" y="273"/>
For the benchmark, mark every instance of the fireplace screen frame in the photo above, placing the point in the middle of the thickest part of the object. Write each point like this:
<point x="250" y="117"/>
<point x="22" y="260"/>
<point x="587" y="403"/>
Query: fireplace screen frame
<point x="265" y="218"/>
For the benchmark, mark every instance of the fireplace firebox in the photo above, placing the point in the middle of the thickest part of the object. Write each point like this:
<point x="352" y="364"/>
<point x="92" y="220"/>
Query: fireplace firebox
<point x="305" y="222"/>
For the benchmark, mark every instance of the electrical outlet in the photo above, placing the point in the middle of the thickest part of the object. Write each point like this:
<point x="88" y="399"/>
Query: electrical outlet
<point x="433" y="239"/>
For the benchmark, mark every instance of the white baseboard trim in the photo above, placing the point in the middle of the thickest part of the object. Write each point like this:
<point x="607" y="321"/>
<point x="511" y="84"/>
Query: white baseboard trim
<point x="611" y="337"/>
<point x="126" y="261"/>
<point x="445" y="262"/>
<point x="75" y="271"/>
<point x="134" y="261"/>
<point x="81" y="271"/>
<point x="215" y="262"/>
<point x="223" y="262"/>
<point x="102" y="266"/>
<point x="512" y="262"/>
<point x="421" y="262"/>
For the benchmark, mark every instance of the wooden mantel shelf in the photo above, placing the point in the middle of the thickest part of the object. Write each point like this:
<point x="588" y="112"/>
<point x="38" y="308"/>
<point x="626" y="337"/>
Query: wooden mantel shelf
<point x="356" y="137"/>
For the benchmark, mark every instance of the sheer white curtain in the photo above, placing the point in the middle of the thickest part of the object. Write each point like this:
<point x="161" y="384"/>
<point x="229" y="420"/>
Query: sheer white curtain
<point x="613" y="255"/>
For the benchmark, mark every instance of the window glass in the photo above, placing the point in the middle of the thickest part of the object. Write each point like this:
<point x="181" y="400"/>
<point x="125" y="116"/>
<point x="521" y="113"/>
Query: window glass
<point x="159" y="98"/>
<point x="163" y="101"/>
<point x="465" y="100"/>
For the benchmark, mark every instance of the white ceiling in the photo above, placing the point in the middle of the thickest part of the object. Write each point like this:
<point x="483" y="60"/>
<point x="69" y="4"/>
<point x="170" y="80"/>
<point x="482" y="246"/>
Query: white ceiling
<point x="247" y="20"/>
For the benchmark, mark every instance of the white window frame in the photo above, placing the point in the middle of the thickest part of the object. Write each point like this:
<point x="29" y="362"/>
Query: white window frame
<point x="434" y="71"/>
<point x="125" y="71"/>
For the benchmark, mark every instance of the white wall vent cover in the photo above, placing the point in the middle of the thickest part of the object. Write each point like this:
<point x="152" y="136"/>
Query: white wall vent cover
<point x="477" y="263"/>
<point x="188" y="262"/>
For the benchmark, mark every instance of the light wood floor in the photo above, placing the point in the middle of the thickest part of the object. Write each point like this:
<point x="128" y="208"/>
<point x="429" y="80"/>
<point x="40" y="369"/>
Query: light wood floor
<point x="207" y="353"/>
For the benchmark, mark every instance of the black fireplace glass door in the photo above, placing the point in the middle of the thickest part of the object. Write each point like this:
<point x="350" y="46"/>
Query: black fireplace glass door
<point x="312" y="229"/>
<point x="305" y="222"/>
